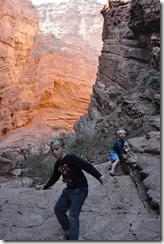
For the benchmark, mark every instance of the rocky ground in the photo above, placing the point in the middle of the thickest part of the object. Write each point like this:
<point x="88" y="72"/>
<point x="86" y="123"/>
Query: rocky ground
<point x="114" y="211"/>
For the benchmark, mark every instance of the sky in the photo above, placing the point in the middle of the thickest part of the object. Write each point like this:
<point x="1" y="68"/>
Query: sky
<point x="37" y="2"/>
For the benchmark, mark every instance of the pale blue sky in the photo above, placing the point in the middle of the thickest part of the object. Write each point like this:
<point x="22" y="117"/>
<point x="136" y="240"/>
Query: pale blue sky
<point x="37" y="2"/>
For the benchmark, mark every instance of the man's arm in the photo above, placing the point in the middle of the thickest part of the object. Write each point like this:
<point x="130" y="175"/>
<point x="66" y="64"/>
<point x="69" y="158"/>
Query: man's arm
<point x="54" y="178"/>
<point x="89" y="168"/>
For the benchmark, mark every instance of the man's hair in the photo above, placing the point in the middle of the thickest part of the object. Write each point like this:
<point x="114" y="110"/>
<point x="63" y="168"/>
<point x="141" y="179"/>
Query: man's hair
<point x="60" y="141"/>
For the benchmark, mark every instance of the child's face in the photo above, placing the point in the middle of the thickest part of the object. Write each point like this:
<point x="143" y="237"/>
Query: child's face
<point x="57" y="150"/>
<point x="122" y="135"/>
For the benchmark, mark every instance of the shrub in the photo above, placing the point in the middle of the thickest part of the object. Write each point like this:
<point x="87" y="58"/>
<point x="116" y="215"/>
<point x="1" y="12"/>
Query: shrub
<point x="36" y="165"/>
<point x="38" y="168"/>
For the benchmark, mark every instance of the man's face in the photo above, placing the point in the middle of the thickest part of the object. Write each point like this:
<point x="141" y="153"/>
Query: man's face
<point x="57" y="150"/>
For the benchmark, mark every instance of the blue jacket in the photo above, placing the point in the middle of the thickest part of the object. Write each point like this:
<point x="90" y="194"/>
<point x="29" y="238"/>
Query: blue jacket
<point x="118" y="146"/>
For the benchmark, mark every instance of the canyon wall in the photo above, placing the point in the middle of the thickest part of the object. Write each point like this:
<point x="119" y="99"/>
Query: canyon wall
<point x="68" y="59"/>
<point x="18" y="26"/>
<point x="48" y="66"/>
<point x="126" y="94"/>
<point x="127" y="89"/>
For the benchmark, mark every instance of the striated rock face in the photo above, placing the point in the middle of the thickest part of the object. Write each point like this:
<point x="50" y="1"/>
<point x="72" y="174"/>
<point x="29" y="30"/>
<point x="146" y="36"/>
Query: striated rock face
<point x="67" y="60"/>
<point x="126" y="93"/>
<point x="18" y="26"/>
<point x="145" y="153"/>
<point x="47" y="76"/>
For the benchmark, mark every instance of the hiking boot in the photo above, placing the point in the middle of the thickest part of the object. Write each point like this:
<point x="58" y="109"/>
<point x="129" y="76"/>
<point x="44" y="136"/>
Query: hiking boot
<point x="64" y="237"/>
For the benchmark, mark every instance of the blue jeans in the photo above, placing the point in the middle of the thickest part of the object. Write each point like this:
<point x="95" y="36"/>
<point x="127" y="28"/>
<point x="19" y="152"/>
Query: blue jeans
<point x="72" y="200"/>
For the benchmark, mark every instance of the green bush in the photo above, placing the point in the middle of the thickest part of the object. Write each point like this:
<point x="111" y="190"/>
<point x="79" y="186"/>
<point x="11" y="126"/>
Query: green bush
<point x="38" y="168"/>
<point x="93" y="148"/>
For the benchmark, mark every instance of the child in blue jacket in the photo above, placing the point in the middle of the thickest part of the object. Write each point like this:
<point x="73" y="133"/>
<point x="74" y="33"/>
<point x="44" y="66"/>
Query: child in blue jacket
<point x="117" y="151"/>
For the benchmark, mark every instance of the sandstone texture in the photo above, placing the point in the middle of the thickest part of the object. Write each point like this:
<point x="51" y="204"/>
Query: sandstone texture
<point x="67" y="60"/>
<point x="48" y="64"/>
<point x="19" y="25"/>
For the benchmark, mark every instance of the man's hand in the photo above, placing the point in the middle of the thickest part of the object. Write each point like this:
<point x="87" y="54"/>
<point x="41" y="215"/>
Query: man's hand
<point x="39" y="187"/>
<point x="103" y="179"/>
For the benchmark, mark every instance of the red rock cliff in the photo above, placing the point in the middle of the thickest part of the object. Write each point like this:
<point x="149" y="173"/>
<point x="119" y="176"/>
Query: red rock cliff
<point x="47" y="76"/>
<point x="18" y="26"/>
<point x="67" y="60"/>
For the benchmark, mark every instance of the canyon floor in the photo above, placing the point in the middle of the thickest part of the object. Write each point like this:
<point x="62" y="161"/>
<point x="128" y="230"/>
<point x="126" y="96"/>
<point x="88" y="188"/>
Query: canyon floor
<point x="115" y="211"/>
